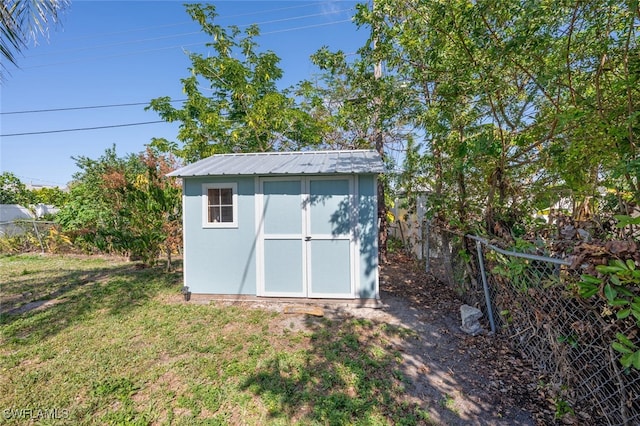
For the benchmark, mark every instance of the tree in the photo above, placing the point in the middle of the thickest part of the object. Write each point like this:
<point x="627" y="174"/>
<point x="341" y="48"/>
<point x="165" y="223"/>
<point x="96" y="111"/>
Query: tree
<point x="245" y="112"/>
<point x="154" y="209"/>
<point x="515" y="100"/>
<point x="49" y="195"/>
<point x="22" y="21"/>
<point x="12" y="190"/>
<point x="124" y="205"/>
<point x="358" y="107"/>
<point x="93" y="203"/>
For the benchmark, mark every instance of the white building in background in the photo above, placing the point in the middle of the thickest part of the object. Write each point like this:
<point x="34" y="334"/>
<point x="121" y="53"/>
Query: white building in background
<point x="409" y="227"/>
<point x="45" y="209"/>
<point x="9" y="214"/>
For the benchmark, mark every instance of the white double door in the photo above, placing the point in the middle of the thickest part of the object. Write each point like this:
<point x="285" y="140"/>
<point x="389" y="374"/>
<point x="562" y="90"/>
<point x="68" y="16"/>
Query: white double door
<point x="306" y="241"/>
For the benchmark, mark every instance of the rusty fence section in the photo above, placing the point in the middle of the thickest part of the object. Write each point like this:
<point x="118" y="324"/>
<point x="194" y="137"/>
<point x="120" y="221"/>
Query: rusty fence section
<point x="532" y="300"/>
<point x="25" y="235"/>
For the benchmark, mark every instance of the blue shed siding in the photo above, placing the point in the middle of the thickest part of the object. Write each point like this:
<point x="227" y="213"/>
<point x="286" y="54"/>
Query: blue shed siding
<point x="224" y="260"/>
<point x="220" y="260"/>
<point x="368" y="237"/>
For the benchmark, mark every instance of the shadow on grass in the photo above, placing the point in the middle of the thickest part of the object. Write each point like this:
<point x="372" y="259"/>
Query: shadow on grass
<point x="412" y="365"/>
<point x="57" y="299"/>
<point x="351" y="375"/>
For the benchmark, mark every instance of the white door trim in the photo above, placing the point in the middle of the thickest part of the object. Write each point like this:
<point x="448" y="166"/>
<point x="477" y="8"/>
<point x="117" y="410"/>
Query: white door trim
<point x="305" y="236"/>
<point x="350" y="236"/>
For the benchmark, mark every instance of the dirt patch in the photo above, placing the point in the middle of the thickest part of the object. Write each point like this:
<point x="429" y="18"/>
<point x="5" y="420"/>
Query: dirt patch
<point x="480" y="379"/>
<point x="34" y="306"/>
<point x="460" y="379"/>
<point x="33" y="301"/>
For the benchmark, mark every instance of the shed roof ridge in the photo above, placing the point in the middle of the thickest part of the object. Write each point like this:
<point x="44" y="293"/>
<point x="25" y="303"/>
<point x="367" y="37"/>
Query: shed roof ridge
<point x="287" y="162"/>
<point x="320" y="151"/>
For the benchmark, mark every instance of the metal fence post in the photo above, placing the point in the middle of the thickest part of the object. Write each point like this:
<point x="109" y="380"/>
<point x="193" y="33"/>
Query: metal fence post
<point x="35" y="228"/>
<point x="485" y="286"/>
<point x="426" y="238"/>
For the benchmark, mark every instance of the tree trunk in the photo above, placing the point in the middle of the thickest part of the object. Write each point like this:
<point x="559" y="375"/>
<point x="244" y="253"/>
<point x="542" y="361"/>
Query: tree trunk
<point x="169" y="263"/>
<point x="382" y="219"/>
<point x="382" y="206"/>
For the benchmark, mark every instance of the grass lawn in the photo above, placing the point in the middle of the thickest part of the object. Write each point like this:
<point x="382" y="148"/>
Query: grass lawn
<point x="116" y="348"/>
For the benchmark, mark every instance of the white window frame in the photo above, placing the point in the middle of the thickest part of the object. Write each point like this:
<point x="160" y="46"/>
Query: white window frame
<point x="205" y="204"/>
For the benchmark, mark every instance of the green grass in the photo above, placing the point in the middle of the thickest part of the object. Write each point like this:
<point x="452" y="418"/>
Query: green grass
<point x="120" y="347"/>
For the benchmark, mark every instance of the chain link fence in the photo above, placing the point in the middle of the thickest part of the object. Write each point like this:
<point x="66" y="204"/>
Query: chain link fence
<point x="532" y="299"/>
<point x="24" y="235"/>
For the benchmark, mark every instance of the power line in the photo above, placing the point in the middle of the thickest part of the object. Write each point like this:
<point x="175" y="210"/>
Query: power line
<point x="306" y="26"/>
<point x="93" y="58"/>
<point x="31" y="179"/>
<point x="293" y="18"/>
<point x="82" y="107"/>
<point x="259" y="12"/>
<point x="182" y="46"/>
<point x="79" y="129"/>
<point x="120" y="43"/>
<point x="262" y="12"/>
<point x="199" y="32"/>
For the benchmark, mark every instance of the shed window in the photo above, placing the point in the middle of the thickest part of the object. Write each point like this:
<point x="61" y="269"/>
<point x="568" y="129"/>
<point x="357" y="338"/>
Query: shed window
<point x="220" y="205"/>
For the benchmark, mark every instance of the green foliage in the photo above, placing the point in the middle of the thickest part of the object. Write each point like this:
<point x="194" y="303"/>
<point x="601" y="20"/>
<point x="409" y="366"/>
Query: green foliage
<point x="21" y="243"/>
<point x="520" y="272"/>
<point x="246" y="111"/>
<point x="563" y="408"/>
<point x="629" y="350"/>
<point x="50" y="196"/>
<point x="94" y="203"/>
<point x="571" y="340"/>
<point x="514" y="269"/>
<point x="618" y="285"/>
<point x="395" y="245"/>
<point x="21" y="21"/>
<point x="624" y="221"/>
<point x="13" y="191"/>
<point x="347" y="99"/>
<point x="120" y="388"/>
<point x="514" y="100"/>
<point x="124" y="205"/>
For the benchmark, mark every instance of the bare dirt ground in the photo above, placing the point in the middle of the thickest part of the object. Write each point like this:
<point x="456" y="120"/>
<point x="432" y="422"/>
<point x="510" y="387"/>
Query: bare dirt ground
<point x="485" y="382"/>
<point x="463" y="379"/>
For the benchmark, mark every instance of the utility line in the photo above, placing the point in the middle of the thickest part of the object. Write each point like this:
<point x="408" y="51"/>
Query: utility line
<point x="293" y="18"/>
<point x="306" y="26"/>
<point x="94" y="58"/>
<point x="81" y="129"/>
<point x="120" y="43"/>
<point x="240" y="15"/>
<point x="164" y="37"/>
<point x="31" y="179"/>
<point x="179" y="46"/>
<point x="82" y="107"/>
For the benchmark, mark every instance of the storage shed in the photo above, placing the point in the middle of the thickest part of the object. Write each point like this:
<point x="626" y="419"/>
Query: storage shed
<point x="285" y="224"/>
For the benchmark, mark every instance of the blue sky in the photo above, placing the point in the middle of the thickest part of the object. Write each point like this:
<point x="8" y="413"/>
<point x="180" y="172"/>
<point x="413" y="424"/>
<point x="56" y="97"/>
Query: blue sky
<point x="124" y="52"/>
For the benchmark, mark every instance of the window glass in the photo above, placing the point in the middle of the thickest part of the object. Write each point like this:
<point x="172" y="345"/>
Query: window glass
<point x="226" y="196"/>
<point x="214" y="214"/>
<point x="226" y="214"/>
<point x="219" y="204"/>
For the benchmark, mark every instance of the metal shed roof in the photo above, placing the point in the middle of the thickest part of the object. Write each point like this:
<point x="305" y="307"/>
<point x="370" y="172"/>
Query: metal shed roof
<point x="285" y="163"/>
